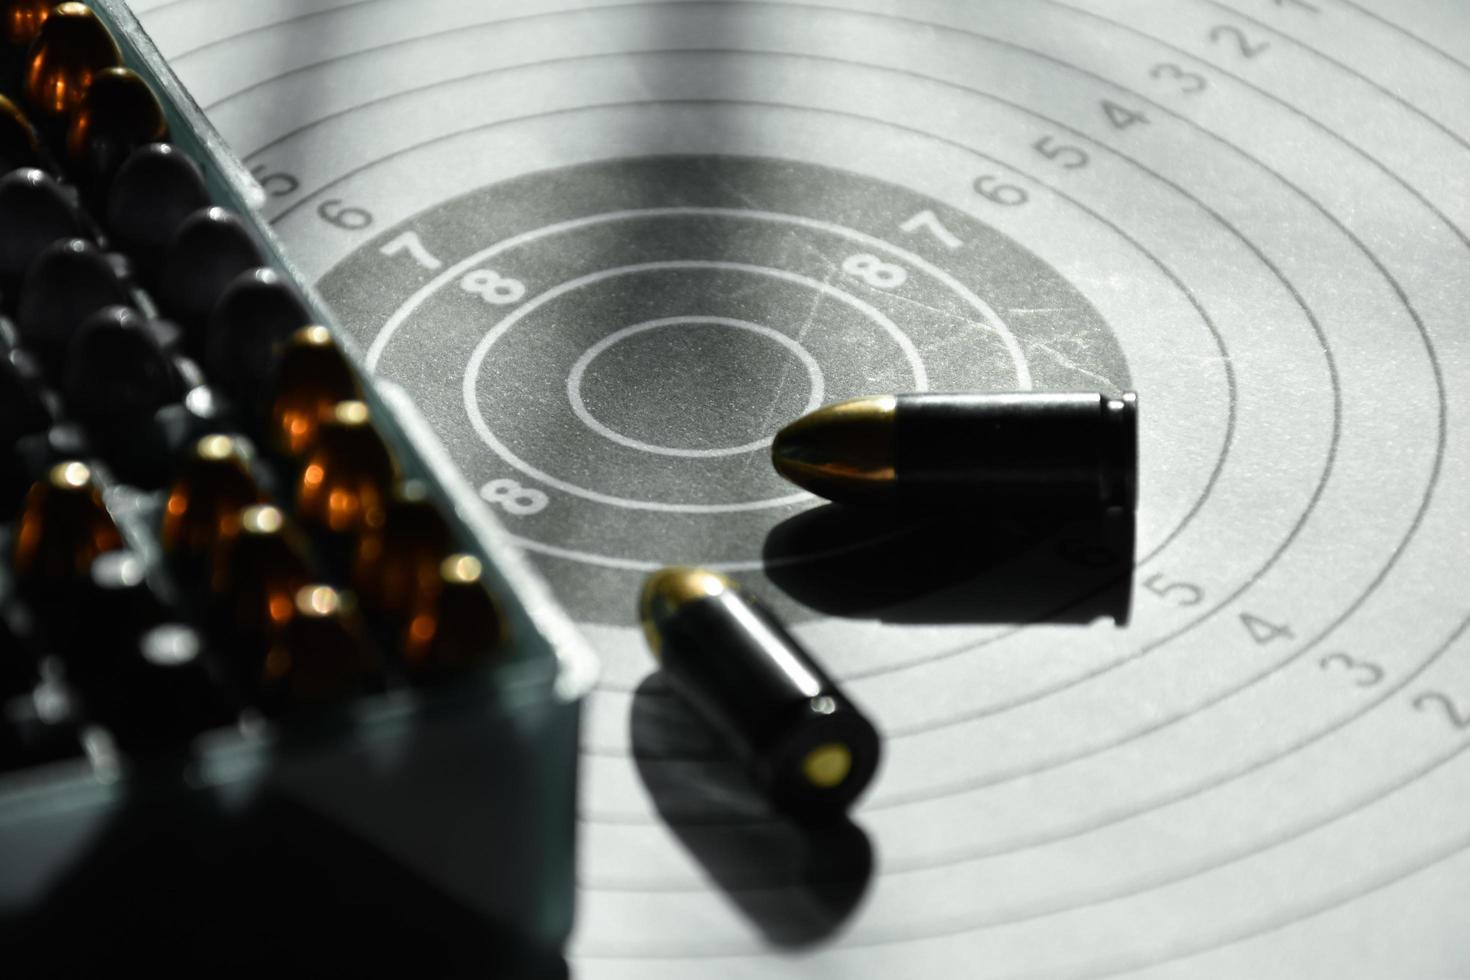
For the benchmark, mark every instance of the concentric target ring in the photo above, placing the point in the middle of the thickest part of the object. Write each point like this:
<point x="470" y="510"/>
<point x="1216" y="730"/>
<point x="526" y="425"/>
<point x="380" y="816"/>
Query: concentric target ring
<point x="1262" y="75"/>
<point x="579" y="373"/>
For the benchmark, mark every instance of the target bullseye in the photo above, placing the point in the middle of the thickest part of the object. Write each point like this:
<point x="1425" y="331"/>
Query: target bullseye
<point x="660" y="285"/>
<point x="727" y="385"/>
<point x="627" y="406"/>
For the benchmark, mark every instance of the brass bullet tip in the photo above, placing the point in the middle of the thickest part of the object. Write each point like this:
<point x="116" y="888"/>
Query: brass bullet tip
<point x="69" y="476"/>
<point x="460" y="570"/>
<point x="314" y="335"/>
<point x="668" y="590"/>
<point x="827" y="765"/>
<point x="843" y="451"/>
<point x="262" y="519"/>
<point x="216" y="448"/>
<point x="351" y="414"/>
<point x="317" y="601"/>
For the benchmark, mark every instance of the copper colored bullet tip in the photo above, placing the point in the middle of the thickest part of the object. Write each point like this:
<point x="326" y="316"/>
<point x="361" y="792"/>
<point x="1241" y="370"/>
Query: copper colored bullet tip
<point x="23" y="20"/>
<point x="311" y="376"/>
<point x="68" y="51"/>
<point x="319" y="655"/>
<point x="348" y="475"/>
<point x="459" y="626"/>
<point x="397" y="561"/>
<point x="63" y="526"/>
<point x="118" y="114"/>
<point x="204" y="503"/>
<point x="260" y="568"/>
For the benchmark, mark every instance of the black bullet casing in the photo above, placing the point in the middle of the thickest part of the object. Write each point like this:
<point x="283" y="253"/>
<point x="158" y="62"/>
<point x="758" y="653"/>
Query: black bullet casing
<point x="740" y="668"/>
<point x="1048" y="448"/>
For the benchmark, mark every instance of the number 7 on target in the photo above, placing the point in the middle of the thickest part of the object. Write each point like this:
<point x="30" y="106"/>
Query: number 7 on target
<point x="929" y="221"/>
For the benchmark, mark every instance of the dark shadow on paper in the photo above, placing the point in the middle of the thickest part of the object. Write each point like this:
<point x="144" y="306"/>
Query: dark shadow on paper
<point x="1007" y="567"/>
<point x="178" y="884"/>
<point x="798" y="884"/>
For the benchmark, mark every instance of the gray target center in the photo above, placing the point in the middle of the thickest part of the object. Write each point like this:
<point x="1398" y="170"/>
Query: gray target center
<point x="693" y="386"/>
<point x="649" y="325"/>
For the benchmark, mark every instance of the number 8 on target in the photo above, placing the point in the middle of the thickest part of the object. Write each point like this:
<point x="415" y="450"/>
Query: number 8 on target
<point x="874" y="271"/>
<point x="492" y="287"/>
<point x="513" y="498"/>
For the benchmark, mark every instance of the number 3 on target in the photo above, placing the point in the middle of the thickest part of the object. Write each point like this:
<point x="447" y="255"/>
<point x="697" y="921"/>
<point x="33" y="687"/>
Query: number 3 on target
<point x="513" y="498"/>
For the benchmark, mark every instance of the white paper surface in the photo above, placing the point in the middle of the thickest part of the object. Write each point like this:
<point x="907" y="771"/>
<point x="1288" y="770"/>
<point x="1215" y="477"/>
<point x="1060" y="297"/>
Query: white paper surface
<point x="1254" y="213"/>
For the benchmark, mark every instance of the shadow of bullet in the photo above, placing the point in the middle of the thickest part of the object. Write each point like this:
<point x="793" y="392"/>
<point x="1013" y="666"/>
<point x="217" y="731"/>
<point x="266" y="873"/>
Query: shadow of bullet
<point x="991" y="568"/>
<point x="796" y="883"/>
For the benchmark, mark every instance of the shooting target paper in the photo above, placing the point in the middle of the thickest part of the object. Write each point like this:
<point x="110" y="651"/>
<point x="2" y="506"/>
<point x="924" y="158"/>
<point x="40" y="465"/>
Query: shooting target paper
<point x="610" y="247"/>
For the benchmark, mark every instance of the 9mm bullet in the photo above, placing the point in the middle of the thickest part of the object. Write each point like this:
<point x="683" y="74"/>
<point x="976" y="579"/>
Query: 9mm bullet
<point x="214" y="484"/>
<point x="397" y="561"/>
<point x="118" y="114"/>
<point x="310" y="377"/>
<point x="319" y="655"/>
<point x="1037" y="448"/>
<point x="257" y="571"/>
<point x="68" y="50"/>
<point x="805" y="744"/>
<point x="64" y="526"/>
<point x="349" y="474"/>
<point x="458" y="626"/>
<point x="22" y="20"/>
